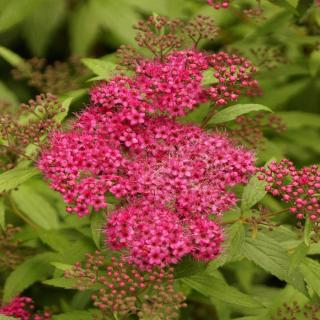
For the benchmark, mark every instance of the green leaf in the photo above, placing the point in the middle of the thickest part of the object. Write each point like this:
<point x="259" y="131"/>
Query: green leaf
<point x="232" y="112"/>
<point x="235" y="237"/>
<point x="297" y="257"/>
<point x="36" y="207"/>
<point x="55" y="239"/>
<point x="83" y="29"/>
<point x="61" y="283"/>
<point x="253" y="192"/>
<point x="214" y="287"/>
<point x="14" y="177"/>
<point x="42" y="23"/>
<point x="2" y="214"/>
<point x="26" y="274"/>
<point x="77" y="315"/>
<point x="10" y="56"/>
<point x="149" y="6"/>
<point x="311" y="272"/>
<point x="208" y="77"/>
<point x="97" y="222"/>
<point x="100" y="67"/>
<point x="15" y="11"/>
<point x="270" y="256"/>
<point x="61" y="266"/>
<point x="188" y="267"/>
<point x="65" y="107"/>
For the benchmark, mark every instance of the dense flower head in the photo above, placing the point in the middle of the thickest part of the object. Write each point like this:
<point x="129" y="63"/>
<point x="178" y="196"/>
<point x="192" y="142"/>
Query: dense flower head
<point x="152" y="236"/>
<point x="23" y="309"/>
<point x="299" y="188"/>
<point x="156" y="236"/>
<point x="186" y="168"/>
<point x="173" y="85"/>
<point x="123" y="287"/>
<point x="82" y="167"/>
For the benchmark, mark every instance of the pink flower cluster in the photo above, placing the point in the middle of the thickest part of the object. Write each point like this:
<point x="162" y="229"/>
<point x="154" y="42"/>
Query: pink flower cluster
<point x="299" y="188"/>
<point x="23" y="308"/>
<point x="172" y="176"/>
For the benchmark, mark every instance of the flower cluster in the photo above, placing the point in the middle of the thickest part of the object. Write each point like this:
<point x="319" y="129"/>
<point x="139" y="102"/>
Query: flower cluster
<point x="23" y="308"/>
<point x="299" y="188"/>
<point x="157" y="237"/>
<point x="123" y="287"/>
<point x="171" y="176"/>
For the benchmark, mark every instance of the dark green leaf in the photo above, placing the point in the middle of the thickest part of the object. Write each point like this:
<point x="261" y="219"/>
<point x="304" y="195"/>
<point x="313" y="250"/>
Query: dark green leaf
<point x="2" y="214"/>
<point x="188" y="267"/>
<point x="97" y="222"/>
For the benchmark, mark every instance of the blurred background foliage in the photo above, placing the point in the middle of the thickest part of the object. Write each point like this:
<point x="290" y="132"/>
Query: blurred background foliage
<point x="62" y="34"/>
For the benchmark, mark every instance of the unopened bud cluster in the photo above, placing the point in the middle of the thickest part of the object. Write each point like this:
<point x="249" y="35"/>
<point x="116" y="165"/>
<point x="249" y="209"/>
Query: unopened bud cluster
<point x="27" y="126"/>
<point x="57" y="78"/>
<point x="121" y="287"/>
<point x="299" y="188"/>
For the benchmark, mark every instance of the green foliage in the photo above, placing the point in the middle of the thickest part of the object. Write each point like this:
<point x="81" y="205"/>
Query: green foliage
<point x="232" y="112"/>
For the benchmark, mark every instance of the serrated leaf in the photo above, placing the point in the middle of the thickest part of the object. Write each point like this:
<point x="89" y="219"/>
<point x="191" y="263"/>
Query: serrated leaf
<point x="26" y="274"/>
<point x="97" y="222"/>
<point x="42" y="23"/>
<point x="61" y="266"/>
<point x="100" y="67"/>
<point x="211" y="286"/>
<point x="235" y="237"/>
<point x="61" y="283"/>
<point x="253" y="192"/>
<point x="10" y="56"/>
<point x="36" y="207"/>
<point x="15" y="11"/>
<point x="270" y="256"/>
<point x="2" y="214"/>
<point x="232" y="112"/>
<point x="54" y="239"/>
<point x="188" y="267"/>
<point x="297" y="257"/>
<point x="311" y="272"/>
<point x="15" y="177"/>
<point x="65" y="107"/>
